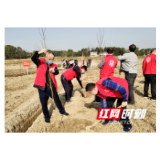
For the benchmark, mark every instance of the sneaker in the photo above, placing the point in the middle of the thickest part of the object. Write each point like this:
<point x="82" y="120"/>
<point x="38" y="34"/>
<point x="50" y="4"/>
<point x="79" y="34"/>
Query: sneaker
<point x="145" y="97"/>
<point x="107" y="121"/>
<point x="111" y="121"/>
<point x="153" y="99"/>
<point x="127" y="129"/>
<point x="65" y="114"/>
<point x="68" y="101"/>
<point x="96" y="102"/>
<point x="47" y="120"/>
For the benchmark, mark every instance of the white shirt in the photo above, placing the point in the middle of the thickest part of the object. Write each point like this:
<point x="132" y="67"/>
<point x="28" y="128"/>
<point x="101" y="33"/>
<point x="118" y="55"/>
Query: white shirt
<point x="129" y="62"/>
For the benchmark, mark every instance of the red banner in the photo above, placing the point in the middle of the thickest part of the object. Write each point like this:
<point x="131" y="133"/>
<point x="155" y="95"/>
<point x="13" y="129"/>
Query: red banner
<point x="109" y="113"/>
<point x="26" y="63"/>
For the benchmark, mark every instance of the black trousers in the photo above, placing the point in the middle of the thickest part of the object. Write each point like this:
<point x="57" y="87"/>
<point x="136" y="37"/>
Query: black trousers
<point x="44" y="96"/>
<point x="130" y="77"/>
<point x="110" y="102"/>
<point x="97" y="99"/>
<point x="68" y="87"/>
<point x="150" y="78"/>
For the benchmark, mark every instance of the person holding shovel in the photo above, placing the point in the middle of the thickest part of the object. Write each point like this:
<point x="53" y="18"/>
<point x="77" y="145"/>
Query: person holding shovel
<point x="46" y="83"/>
<point x="109" y="89"/>
<point x="67" y="76"/>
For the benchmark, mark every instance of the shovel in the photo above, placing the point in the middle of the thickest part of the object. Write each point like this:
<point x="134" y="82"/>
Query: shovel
<point x="83" y="92"/>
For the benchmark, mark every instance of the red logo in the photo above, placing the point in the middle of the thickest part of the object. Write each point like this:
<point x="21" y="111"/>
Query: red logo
<point x="109" y="113"/>
<point x="111" y="63"/>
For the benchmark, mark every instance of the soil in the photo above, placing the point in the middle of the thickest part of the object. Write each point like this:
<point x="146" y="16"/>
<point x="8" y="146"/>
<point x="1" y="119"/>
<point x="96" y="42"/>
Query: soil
<point x="23" y="109"/>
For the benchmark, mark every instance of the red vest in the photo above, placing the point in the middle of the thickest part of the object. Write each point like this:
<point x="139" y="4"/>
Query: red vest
<point x="70" y="74"/>
<point x="108" y="68"/>
<point x="104" y="92"/>
<point x="40" y="80"/>
<point x="149" y="64"/>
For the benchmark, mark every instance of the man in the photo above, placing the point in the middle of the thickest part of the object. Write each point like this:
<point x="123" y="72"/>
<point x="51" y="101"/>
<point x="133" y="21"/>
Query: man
<point x="109" y="89"/>
<point x="89" y="62"/>
<point x="46" y="83"/>
<point x="61" y="63"/>
<point x="76" y="62"/>
<point x="149" y="72"/>
<point x="129" y="67"/>
<point x="64" y="64"/>
<point x="70" y="63"/>
<point x="66" y="78"/>
<point x="107" y="67"/>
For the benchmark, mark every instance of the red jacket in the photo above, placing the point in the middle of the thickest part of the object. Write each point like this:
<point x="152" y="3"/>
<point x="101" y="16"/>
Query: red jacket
<point x="70" y="74"/>
<point x="40" y="80"/>
<point x="109" y="66"/>
<point x="149" y="64"/>
<point x="104" y="92"/>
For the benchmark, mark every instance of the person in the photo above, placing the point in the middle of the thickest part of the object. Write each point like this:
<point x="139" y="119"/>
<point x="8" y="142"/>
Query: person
<point x="76" y="62"/>
<point x="129" y="67"/>
<point x="66" y="78"/>
<point x="68" y="63"/>
<point x="61" y="63"/>
<point x="89" y="62"/>
<point x="71" y="63"/>
<point x="109" y="89"/>
<point x="149" y="72"/>
<point x="64" y="64"/>
<point x="46" y="83"/>
<point x="107" y="66"/>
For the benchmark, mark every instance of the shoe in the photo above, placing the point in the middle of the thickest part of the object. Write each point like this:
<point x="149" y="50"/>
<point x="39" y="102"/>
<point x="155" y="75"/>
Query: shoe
<point x="72" y="96"/>
<point x="107" y="121"/>
<point x="68" y="101"/>
<point x="145" y="97"/>
<point x="111" y="121"/>
<point x="65" y="114"/>
<point x="127" y="129"/>
<point x="96" y="102"/>
<point x="47" y="120"/>
<point x="153" y="99"/>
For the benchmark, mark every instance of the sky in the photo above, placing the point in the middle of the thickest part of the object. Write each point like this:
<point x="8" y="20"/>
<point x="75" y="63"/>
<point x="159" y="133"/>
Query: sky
<point x="77" y="38"/>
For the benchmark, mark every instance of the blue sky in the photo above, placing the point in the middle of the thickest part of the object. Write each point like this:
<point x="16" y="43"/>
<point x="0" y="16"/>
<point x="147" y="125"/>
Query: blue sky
<point x="78" y="38"/>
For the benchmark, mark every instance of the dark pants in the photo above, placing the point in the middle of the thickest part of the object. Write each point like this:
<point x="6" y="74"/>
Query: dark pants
<point x="44" y="96"/>
<point x="130" y="77"/>
<point x="150" y="78"/>
<point x="110" y="102"/>
<point x="97" y="99"/>
<point x="68" y="87"/>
